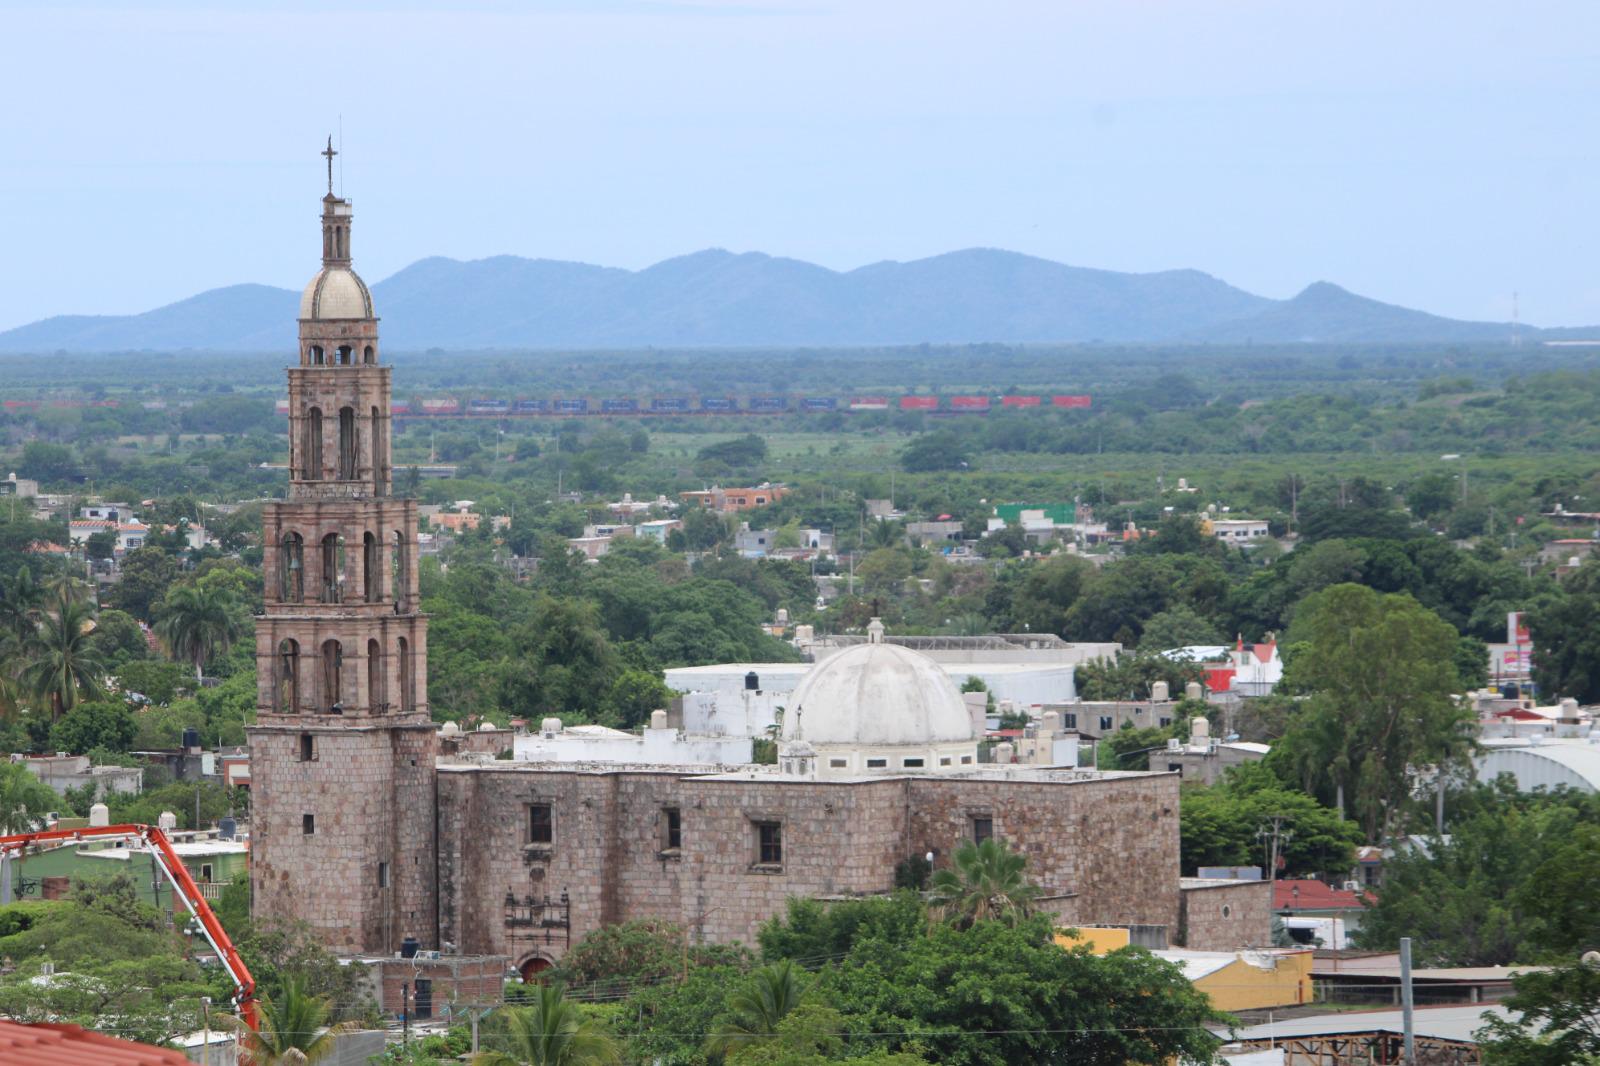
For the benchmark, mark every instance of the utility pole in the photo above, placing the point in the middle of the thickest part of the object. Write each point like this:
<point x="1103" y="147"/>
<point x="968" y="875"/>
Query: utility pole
<point x="1407" y="1010"/>
<point x="1272" y="840"/>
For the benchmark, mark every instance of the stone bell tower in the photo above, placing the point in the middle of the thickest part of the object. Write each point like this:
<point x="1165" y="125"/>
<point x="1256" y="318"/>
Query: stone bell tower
<point x="342" y="753"/>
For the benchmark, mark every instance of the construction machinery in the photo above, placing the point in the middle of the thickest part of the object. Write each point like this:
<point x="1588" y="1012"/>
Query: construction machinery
<point x="155" y="841"/>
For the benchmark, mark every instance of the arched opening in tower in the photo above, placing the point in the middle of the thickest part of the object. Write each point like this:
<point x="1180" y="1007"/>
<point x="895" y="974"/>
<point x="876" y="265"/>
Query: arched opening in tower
<point x="332" y="676"/>
<point x="292" y="569"/>
<point x="347" y="444"/>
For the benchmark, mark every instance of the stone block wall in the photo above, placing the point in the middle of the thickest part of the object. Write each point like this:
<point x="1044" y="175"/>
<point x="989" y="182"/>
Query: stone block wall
<point x="1106" y="850"/>
<point x="368" y="793"/>
<point x="1226" y="915"/>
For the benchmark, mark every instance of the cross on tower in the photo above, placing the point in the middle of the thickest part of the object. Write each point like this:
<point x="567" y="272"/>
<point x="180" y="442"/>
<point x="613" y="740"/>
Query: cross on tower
<point x="329" y="152"/>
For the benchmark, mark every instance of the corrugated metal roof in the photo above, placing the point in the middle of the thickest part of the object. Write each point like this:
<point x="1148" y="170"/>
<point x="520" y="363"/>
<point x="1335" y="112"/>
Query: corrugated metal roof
<point x="1456" y="1022"/>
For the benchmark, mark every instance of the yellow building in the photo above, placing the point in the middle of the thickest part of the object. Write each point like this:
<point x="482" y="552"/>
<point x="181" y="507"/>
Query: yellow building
<point x="1234" y="980"/>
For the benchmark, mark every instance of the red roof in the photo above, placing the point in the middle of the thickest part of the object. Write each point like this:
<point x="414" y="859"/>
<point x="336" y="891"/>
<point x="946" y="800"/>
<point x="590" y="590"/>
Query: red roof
<point x="1311" y="895"/>
<point x="51" y="1043"/>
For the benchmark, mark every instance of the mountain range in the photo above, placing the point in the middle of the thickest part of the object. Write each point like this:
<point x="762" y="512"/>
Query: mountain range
<point x="719" y="298"/>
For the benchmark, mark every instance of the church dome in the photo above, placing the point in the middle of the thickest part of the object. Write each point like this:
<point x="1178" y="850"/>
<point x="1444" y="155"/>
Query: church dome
<point x="877" y="696"/>
<point x="336" y="292"/>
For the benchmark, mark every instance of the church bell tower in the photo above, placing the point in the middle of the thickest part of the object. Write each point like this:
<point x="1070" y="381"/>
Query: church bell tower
<point x="342" y="753"/>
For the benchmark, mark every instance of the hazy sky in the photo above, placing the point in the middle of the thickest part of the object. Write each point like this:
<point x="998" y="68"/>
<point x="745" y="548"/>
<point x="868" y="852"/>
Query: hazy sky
<point x="1435" y="154"/>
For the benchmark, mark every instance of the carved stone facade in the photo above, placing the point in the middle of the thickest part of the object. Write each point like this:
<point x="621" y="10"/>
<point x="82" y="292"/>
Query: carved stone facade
<point x="1104" y="850"/>
<point x="343" y="750"/>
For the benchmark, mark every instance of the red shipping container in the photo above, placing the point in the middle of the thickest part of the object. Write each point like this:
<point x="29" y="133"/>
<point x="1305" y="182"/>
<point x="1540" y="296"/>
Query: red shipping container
<point x="1019" y="401"/>
<point x="1070" y="401"/>
<point x="969" y="403"/>
<point x="919" y="403"/>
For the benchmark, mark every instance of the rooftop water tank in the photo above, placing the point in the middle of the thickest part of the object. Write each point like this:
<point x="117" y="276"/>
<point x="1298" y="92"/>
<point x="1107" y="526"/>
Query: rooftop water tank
<point x="752" y="681"/>
<point x="228" y="828"/>
<point x="166" y="821"/>
<point x="99" y="814"/>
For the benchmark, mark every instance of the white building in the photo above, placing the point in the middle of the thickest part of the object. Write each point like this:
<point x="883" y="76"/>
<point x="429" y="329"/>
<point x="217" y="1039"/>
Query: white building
<point x="918" y="720"/>
<point x="1239" y="530"/>
<point x="659" y="745"/>
<point x="1543" y="762"/>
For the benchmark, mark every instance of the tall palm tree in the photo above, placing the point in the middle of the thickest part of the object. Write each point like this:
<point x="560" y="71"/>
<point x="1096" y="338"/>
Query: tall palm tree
<point x="294" y="1029"/>
<point x="552" y="1032"/>
<point x="985" y="883"/>
<point x="756" y="1009"/>
<point x="199" y="622"/>
<point x="59" y="660"/>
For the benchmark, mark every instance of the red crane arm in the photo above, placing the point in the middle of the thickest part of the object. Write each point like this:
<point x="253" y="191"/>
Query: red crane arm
<point x="161" y="848"/>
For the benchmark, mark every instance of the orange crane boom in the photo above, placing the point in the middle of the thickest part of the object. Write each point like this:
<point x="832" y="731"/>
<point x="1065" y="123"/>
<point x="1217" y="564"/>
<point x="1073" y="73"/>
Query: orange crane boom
<point x="244" y="999"/>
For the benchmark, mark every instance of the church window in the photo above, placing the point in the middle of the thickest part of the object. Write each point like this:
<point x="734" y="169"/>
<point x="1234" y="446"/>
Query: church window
<point x="400" y="577"/>
<point x="375" y="677"/>
<point x="915" y="764"/>
<point x="966" y="760"/>
<point x="347" y="443"/>
<point x="312" y="470"/>
<point x="769" y="843"/>
<point x="345" y="354"/>
<point x="308" y="748"/>
<point x="316" y="354"/>
<point x="838" y="764"/>
<point x="982" y="828"/>
<point x="541" y="829"/>
<point x="332" y="568"/>
<point x="371" y="586"/>
<point x="292" y="569"/>
<point x="287" y="695"/>
<point x="308" y="824"/>
<point x="408" y="678"/>
<point x="383" y="875"/>
<point x="332" y="669"/>
<point x="671" y="828"/>
<point x="944" y="760"/>
<point x="380" y="449"/>
<point x="368" y="356"/>
<point x="877" y="764"/>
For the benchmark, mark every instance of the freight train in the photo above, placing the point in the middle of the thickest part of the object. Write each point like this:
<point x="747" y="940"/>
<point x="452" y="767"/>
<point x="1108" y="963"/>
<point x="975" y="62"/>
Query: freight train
<point x="451" y="407"/>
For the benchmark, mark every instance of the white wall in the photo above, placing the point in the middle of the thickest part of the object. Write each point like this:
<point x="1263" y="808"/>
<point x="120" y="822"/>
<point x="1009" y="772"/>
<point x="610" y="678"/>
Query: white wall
<point x="655" y="747"/>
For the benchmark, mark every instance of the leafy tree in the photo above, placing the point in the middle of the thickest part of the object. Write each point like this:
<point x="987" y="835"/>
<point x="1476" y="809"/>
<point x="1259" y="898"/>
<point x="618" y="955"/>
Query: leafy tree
<point x="1555" y="1020"/>
<point x="1478" y="898"/>
<point x="119" y="639"/>
<point x="1130" y="676"/>
<point x="197" y="622"/>
<point x="1382" y="676"/>
<point x="147" y="573"/>
<point x="935" y="451"/>
<point x="1218" y="826"/>
<point x="633" y="695"/>
<point x="810" y="1035"/>
<point x="1179" y="626"/>
<point x="23" y="799"/>
<point x="636" y="952"/>
<point x="101" y="544"/>
<point x="810" y="931"/>
<point x="757" y="1008"/>
<point x="97" y="724"/>
<point x="883" y="569"/>
<point x="986" y="883"/>
<point x="551" y="1032"/>
<point x="745" y="451"/>
<point x="157" y="680"/>
<point x="993" y="995"/>
<point x="294" y="1029"/>
<point x="1567" y="633"/>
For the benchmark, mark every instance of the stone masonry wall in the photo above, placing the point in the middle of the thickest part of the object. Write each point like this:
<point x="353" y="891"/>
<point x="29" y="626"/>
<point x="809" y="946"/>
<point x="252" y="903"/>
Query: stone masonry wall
<point x="1108" y="849"/>
<point x="1228" y="917"/>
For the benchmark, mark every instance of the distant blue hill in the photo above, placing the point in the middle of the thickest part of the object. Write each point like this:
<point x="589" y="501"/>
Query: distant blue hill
<point x="718" y="298"/>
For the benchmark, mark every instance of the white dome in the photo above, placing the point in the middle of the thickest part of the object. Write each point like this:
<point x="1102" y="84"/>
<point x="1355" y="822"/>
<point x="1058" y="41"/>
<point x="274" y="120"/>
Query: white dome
<point x="336" y="292"/>
<point x="877" y="695"/>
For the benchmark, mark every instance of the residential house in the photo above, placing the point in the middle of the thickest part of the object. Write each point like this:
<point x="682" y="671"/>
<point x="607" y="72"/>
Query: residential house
<point x="732" y="501"/>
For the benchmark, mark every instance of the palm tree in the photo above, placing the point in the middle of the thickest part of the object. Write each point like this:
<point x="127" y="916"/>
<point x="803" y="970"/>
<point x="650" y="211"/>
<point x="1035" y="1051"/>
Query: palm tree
<point x="59" y="660"/>
<point x="199" y="622"/>
<point x="294" y="1029"/>
<point x="552" y="1032"/>
<point x="756" y="1009"/>
<point x="19" y="605"/>
<point x="24" y="799"/>
<point x="985" y="883"/>
<point x="884" y="533"/>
